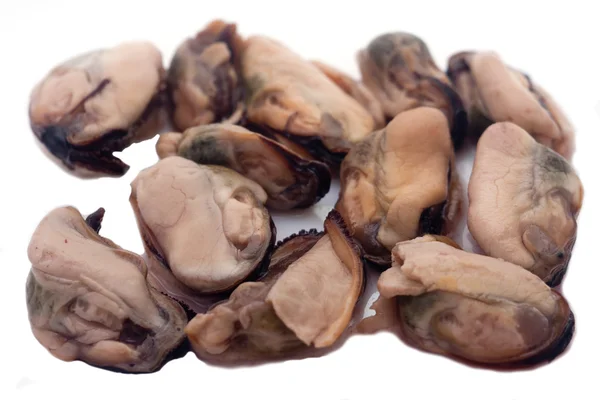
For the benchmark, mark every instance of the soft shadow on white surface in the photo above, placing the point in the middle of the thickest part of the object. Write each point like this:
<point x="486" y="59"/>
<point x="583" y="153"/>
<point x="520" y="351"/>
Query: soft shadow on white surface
<point x="552" y="42"/>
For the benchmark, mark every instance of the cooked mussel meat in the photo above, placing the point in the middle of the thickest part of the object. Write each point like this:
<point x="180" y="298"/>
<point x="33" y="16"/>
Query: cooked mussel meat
<point x="473" y="307"/>
<point x="399" y="70"/>
<point x="289" y="180"/>
<point x="495" y="92"/>
<point x="289" y="95"/>
<point x="88" y="299"/>
<point x="400" y="183"/>
<point x="97" y="103"/>
<point x="205" y="225"/>
<point x="524" y="199"/>
<point x="305" y="301"/>
<point x="203" y="78"/>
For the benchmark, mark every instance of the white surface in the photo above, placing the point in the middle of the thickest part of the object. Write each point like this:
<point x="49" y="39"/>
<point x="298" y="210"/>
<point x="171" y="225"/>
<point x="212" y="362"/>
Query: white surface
<point x="555" y="44"/>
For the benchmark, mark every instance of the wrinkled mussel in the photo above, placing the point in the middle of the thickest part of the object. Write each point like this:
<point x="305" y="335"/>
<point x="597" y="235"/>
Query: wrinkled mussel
<point x="495" y="92"/>
<point x="524" y="199"/>
<point x="88" y="299"/>
<point x="400" y="183"/>
<point x="471" y="307"/>
<point x="205" y="228"/>
<point x="98" y="103"/>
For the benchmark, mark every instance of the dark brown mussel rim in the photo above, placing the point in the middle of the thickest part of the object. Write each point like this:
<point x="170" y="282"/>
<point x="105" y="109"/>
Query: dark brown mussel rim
<point x="312" y="144"/>
<point x="554" y="348"/>
<point x="308" y="169"/>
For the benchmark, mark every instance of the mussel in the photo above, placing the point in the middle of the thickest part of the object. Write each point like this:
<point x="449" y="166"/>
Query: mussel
<point x="495" y="92"/>
<point x="88" y="299"/>
<point x="290" y="180"/>
<point x="290" y="96"/>
<point x="205" y="228"/>
<point x="399" y="70"/>
<point x="97" y="103"/>
<point x="473" y="308"/>
<point x="305" y="301"/>
<point x="524" y="199"/>
<point x="400" y="183"/>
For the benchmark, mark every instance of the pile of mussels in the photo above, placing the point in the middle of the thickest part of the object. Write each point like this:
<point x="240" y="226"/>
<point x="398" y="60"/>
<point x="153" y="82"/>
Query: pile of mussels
<point x="257" y="128"/>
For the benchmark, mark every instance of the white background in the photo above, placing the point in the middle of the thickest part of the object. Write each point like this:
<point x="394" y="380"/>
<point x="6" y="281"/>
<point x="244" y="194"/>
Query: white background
<point x="557" y="45"/>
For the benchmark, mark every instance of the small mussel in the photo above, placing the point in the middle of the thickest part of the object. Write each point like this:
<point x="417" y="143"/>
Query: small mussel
<point x="203" y="78"/>
<point x="305" y="301"/>
<point x="89" y="300"/>
<point x="290" y="180"/>
<point x="399" y="70"/>
<point x="98" y="103"/>
<point x="495" y="92"/>
<point x="524" y="199"/>
<point x="205" y="228"/>
<point x="400" y="183"/>
<point x="290" y="96"/>
<point x="474" y="308"/>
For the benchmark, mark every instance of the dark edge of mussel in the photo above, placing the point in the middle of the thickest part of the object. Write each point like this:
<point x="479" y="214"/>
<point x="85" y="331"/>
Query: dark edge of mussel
<point x="318" y="169"/>
<point x="97" y="156"/>
<point x="380" y="263"/>
<point x="336" y="218"/>
<point x="554" y="350"/>
<point x="556" y="279"/>
<point x="303" y="232"/>
<point x="179" y="351"/>
<point x="432" y="220"/>
<point x="305" y="171"/>
<point x="299" y="244"/>
<point x="313" y="144"/>
<point x="263" y="267"/>
<point x="459" y="122"/>
<point x="477" y="122"/>
<point x="323" y="174"/>
<point x="94" y="220"/>
<point x="557" y="347"/>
